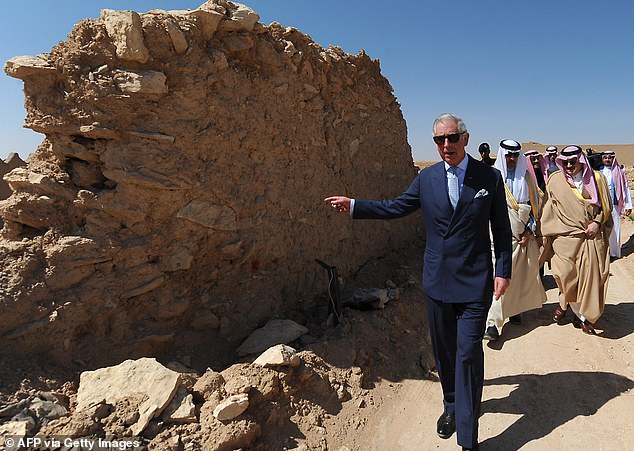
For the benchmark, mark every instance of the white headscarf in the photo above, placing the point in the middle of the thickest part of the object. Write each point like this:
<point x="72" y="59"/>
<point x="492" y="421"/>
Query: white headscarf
<point x="518" y="187"/>
<point x="619" y="182"/>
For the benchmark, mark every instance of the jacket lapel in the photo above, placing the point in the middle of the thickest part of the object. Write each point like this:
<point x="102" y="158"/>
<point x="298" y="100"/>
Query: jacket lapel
<point x="440" y="191"/>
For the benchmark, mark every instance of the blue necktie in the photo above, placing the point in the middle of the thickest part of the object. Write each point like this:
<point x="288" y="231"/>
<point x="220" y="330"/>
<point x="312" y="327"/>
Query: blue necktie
<point x="452" y="179"/>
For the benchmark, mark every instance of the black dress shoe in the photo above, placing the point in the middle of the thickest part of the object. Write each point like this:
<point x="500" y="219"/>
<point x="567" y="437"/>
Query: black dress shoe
<point x="491" y="333"/>
<point x="446" y="425"/>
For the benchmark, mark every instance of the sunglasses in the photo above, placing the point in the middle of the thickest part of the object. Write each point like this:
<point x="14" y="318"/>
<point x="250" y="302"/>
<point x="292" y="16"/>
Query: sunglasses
<point x="571" y="162"/>
<point x="453" y="138"/>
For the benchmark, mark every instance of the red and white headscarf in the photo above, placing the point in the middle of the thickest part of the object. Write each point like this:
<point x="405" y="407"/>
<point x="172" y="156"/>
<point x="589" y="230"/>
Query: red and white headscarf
<point x="587" y="178"/>
<point x="550" y="151"/>
<point x="543" y="165"/>
<point x="619" y="182"/>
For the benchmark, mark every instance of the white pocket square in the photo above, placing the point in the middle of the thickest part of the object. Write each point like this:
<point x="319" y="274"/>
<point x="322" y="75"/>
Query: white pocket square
<point x="481" y="193"/>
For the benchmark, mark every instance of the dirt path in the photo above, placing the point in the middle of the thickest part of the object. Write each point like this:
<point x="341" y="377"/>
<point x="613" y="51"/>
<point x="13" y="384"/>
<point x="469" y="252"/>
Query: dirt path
<point x="547" y="386"/>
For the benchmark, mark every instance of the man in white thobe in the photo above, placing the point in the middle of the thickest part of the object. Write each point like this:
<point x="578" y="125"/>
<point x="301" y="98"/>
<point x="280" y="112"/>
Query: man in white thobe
<point x="525" y="291"/>
<point x="621" y="198"/>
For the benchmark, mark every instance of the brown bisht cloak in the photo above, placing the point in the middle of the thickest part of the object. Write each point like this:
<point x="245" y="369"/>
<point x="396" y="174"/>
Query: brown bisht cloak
<point x="580" y="266"/>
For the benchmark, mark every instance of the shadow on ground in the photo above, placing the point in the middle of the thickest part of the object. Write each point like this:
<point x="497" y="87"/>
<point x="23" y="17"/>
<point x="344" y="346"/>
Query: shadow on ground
<point x="533" y="399"/>
<point x="616" y="322"/>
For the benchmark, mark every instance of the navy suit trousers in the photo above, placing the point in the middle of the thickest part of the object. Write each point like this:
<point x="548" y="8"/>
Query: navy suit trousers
<point x="453" y="327"/>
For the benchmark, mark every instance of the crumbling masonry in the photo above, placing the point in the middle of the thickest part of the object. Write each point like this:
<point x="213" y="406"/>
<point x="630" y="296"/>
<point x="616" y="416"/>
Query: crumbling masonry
<point x="178" y="193"/>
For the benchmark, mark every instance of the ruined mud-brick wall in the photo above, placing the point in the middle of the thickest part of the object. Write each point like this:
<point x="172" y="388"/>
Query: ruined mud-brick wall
<point x="180" y="184"/>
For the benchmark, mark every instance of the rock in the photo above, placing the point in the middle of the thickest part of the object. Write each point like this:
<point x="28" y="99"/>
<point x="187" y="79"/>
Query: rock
<point x="241" y="19"/>
<point x="176" y="35"/>
<point x="232" y="407"/>
<point x="279" y="355"/>
<point x="237" y="385"/>
<point x="181" y="409"/>
<point x="217" y="217"/>
<point x="47" y="410"/>
<point x="141" y="82"/>
<point x="277" y="331"/>
<point x="133" y="377"/>
<point x="207" y="19"/>
<point x="25" y="66"/>
<point x="13" y="161"/>
<point x="17" y="429"/>
<point x="22" y="177"/>
<point x="13" y="409"/>
<point x="126" y="31"/>
<point x="208" y="383"/>
<point x="267" y="54"/>
<point x="156" y="137"/>
<point x="145" y="287"/>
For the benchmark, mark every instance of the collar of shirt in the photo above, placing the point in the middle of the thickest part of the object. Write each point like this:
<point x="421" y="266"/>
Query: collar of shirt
<point x="462" y="165"/>
<point x="578" y="181"/>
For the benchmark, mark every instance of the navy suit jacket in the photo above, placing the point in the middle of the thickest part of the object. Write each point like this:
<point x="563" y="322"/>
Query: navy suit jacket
<point x="458" y="265"/>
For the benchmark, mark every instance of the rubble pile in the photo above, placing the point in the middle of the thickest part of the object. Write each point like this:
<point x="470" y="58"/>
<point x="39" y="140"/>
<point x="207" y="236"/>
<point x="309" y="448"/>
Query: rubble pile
<point x="266" y="401"/>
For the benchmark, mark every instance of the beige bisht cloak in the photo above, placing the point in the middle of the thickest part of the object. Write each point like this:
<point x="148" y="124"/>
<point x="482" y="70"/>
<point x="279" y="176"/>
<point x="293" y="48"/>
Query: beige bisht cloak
<point x="525" y="292"/>
<point x="580" y="265"/>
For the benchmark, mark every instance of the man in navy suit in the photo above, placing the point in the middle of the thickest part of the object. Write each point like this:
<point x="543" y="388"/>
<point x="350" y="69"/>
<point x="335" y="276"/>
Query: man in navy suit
<point x="461" y="199"/>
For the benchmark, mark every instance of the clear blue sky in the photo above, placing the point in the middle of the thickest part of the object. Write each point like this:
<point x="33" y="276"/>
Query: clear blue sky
<point x="552" y="71"/>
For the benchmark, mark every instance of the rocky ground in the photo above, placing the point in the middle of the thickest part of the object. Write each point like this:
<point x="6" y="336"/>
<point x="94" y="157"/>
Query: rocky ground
<point x="367" y="384"/>
<point x="316" y="405"/>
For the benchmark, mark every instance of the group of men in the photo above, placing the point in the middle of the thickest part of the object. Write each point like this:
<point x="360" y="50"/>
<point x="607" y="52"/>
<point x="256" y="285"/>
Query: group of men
<point x="604" y="162"/>
<point x="484" y="224"/>
<point x="555" y="202"/>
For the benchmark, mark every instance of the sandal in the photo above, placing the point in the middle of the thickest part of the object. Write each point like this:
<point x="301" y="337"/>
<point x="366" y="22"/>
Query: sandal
<point x="559" y="314"/>
<point x="587" y="328"/>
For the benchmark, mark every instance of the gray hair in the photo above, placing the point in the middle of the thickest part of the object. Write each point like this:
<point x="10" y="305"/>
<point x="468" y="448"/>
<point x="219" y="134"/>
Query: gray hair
<point x="448" y="116"/>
